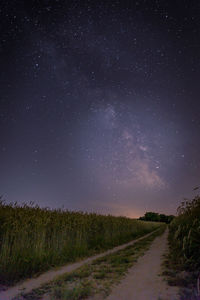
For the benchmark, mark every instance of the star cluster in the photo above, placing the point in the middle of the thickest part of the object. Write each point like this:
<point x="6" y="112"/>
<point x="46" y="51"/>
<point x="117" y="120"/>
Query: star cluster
<point x="99" y="107"/>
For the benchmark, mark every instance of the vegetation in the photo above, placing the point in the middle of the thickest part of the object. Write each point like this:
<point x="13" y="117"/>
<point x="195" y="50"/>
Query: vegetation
<point x="97" y="277"/>
<point x="185" y="234"/>
<point x="155" y="217"/>
<point x="33" y="239"/>
<point x="184" y="237"/>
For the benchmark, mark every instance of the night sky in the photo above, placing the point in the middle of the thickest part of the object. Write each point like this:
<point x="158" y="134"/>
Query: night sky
<point x="99" y="104"/>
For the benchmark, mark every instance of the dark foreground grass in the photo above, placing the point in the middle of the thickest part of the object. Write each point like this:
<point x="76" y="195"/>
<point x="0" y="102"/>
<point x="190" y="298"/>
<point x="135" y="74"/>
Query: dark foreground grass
<point x="182" y="266"/>
<point x="95" y="278"/>
<point x="33" y="240"/>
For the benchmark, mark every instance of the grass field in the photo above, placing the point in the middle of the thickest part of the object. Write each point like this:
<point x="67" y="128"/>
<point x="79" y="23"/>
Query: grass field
<point x="96" y="278"/>
<point x="33" y="240"/>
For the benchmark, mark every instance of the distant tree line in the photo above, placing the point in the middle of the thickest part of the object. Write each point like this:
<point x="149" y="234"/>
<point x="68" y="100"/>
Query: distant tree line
<point x="155" y="217"/>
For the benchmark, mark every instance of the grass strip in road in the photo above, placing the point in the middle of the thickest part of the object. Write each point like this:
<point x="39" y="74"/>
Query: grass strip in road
<point x="97" y="277"/>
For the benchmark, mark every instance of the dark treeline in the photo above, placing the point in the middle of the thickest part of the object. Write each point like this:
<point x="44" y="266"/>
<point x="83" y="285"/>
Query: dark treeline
<point x="155" y="217"/>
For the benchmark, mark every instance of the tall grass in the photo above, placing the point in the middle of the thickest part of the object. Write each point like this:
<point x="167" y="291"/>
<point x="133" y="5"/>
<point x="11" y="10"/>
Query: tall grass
<point x="34" y="239"/>
<point x="184" y="235"/>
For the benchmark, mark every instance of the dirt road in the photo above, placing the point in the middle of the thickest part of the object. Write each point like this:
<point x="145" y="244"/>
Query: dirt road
<point x="143" y="281"/>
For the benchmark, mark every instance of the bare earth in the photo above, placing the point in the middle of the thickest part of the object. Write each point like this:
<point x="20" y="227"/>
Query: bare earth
<point x="143" y="281"/>
<point x="33" y="283"/>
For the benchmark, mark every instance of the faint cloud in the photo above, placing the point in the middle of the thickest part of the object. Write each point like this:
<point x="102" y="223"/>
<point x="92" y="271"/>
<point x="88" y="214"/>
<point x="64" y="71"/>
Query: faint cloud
<point x="143" y="148"/>
<point x="110" y="116"/>
<point x="126" y="135"/>
<point x="106" y="116"/>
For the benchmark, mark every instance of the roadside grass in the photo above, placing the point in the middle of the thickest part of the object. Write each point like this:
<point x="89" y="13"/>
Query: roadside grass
<point x="34" y="239"/>
<point x="176" y="275"/>
<point x="95" y="278"/>
<point x="182" y="264"/>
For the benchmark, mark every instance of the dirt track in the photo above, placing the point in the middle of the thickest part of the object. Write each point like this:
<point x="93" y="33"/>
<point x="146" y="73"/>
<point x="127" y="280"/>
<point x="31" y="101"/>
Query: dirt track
<point x="143" y="281"/>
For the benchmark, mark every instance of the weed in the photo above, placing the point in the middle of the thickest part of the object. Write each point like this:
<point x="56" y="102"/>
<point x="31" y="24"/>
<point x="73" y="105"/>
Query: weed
<point x="81" y="291"/>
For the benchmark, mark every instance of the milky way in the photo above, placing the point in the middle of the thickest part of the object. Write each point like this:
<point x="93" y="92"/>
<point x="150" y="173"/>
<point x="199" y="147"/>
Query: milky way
<point x="99" y="107"/>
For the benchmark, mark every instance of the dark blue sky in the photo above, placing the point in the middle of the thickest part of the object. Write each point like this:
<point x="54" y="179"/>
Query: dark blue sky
<point x="99" y="107"/>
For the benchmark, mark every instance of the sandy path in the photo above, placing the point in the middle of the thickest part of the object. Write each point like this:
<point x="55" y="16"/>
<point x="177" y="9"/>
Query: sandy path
<point x="143" y="281"/>
<point x="30" y="284"/>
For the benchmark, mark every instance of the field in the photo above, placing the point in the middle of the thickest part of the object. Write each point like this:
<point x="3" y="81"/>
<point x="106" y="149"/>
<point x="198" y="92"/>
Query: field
<point x="33" y="240"/>
<point x="184" y="238"/>
<point x="97" y="278"/>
